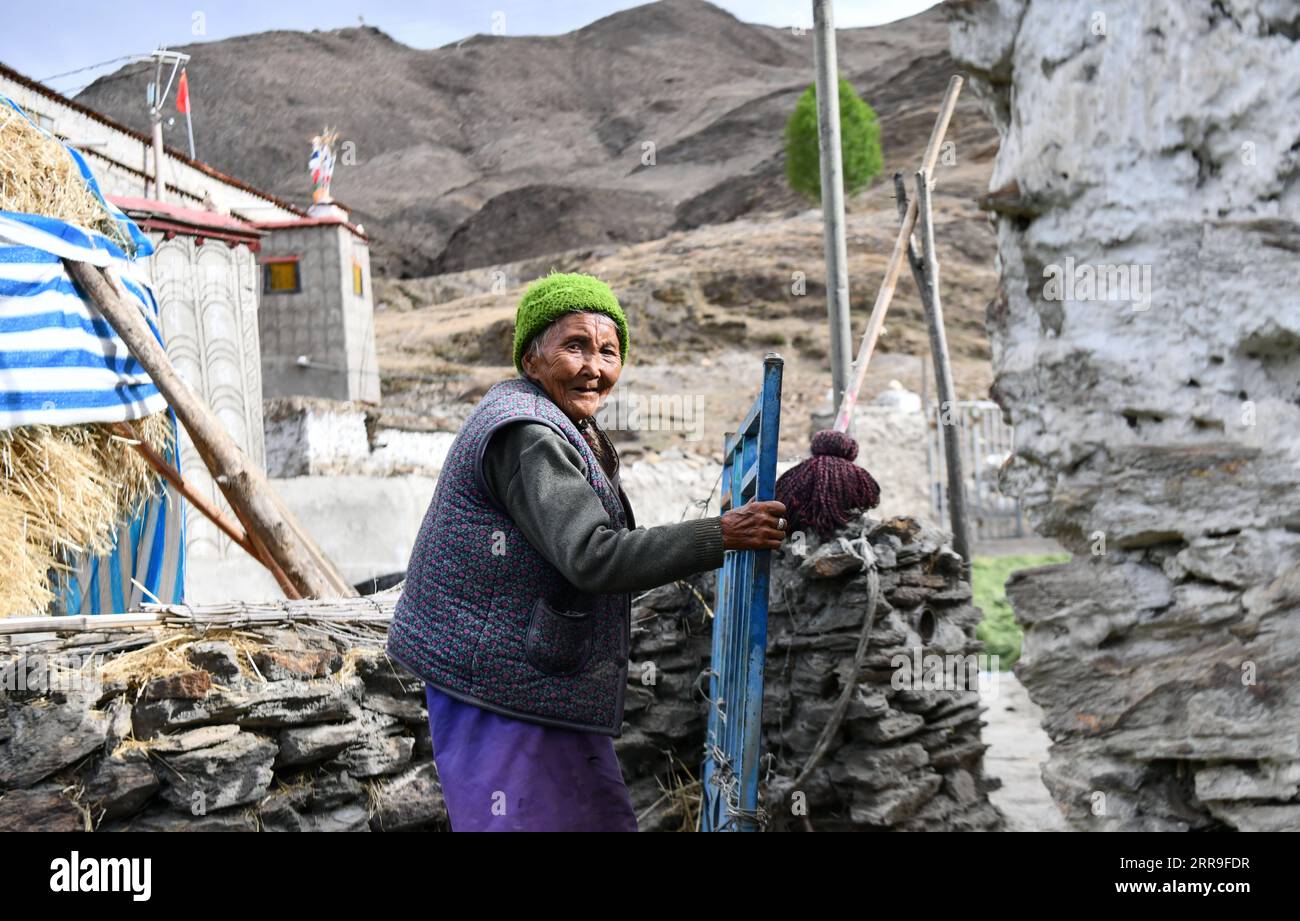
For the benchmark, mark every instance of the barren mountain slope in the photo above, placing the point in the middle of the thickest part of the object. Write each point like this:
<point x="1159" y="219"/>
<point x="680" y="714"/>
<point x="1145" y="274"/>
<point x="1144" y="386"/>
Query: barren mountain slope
<point x="504" y="147"/>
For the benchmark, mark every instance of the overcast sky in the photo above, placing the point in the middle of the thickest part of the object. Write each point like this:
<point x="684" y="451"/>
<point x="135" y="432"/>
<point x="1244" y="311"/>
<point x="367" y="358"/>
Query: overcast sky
<point x="45" y="38"/>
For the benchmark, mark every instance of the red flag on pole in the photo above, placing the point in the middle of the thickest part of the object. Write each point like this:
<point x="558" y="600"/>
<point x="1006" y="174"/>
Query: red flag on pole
<point x="183" y="105"/>
<point x="183" y="94"/>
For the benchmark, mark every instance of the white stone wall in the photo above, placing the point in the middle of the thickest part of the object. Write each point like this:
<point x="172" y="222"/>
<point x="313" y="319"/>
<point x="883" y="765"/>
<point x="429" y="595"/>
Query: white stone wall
<point x="1157" y="431"/>
<point x="121" y="160"/>
<point x="315" y="442"/>
<point x="399" y="451"/>
<point x="318" y="437"/>
<point x="365" y="525"/>
<point x="207" y="302"/>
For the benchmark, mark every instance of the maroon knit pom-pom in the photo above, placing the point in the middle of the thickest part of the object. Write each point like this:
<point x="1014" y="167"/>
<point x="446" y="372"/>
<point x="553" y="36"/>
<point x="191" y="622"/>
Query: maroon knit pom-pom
<point x="823" y="492"/>
<point x="830" y="443"/>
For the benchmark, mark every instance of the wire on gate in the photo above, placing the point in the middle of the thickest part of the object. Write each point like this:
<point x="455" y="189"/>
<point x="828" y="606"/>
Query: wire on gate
<point x="728" y="784"/>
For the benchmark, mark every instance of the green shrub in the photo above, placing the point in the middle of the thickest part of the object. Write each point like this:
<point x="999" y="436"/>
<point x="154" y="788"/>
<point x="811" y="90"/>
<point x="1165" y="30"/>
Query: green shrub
<point x="999" y="631"/>
<point x="859" y="143"/>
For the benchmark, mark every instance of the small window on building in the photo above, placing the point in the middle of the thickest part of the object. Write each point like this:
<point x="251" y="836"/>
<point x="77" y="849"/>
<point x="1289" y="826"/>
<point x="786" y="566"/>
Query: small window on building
<point x="357" y="282"/>
<point x="280" y="276"/>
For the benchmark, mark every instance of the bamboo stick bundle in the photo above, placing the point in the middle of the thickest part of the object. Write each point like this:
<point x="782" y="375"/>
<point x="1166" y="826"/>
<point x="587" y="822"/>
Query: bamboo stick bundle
<point x="377" y="609"/>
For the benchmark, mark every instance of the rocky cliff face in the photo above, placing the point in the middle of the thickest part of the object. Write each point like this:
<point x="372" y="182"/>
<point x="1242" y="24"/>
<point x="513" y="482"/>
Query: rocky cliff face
<point x="1146" y="345"/>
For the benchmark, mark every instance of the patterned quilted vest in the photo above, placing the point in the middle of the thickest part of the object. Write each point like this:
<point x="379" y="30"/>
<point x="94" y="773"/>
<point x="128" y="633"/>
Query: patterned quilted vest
<point x="486" y="618"/>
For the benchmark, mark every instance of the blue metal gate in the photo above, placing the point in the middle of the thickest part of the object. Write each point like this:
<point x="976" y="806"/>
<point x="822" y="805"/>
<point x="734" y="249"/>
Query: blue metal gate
<point x="731" y="747"/>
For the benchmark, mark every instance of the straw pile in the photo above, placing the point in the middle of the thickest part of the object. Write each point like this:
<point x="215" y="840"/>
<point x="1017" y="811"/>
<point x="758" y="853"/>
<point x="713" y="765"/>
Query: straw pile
<point x="169" y="655"/>
<point x="38" y="176"/>
<point x="65" y="490"/>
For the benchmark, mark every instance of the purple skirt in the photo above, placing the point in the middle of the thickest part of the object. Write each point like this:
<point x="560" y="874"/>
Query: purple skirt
<point x="504" y="774"/>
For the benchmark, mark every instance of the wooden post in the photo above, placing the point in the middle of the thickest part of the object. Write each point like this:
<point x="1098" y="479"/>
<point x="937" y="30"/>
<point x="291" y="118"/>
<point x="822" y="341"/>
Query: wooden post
<point x="895" y="265"/>
<point x="923" y="291"/>
<point x="244" y="486"/>
<point x="232" y="530"/>
<point x="944" y="390"/>
<point x="196" y="499"/>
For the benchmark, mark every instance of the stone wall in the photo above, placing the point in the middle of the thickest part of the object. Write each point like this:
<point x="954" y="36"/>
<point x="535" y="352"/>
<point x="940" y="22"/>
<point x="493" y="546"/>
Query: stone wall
<point x="232" y="735"/>
<point x="295" y="730"/>
<point x="907" y="755"/>
<point x="311" y="436"/>
<point x="1146" y="346"/>
<point x="307" y="436"/>
<point x="207" y="309"/>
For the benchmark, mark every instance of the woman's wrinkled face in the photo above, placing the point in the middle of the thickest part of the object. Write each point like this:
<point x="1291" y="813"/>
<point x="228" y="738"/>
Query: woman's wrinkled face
<point x="579" y="363"/>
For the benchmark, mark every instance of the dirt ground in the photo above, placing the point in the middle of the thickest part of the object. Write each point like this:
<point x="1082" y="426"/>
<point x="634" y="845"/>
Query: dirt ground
<point x="1017" y="751"/>
<point x="703" y="307"/>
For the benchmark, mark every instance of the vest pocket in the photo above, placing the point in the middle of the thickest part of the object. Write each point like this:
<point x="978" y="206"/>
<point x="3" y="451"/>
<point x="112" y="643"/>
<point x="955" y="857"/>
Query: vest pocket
<point x="558" y="642"/>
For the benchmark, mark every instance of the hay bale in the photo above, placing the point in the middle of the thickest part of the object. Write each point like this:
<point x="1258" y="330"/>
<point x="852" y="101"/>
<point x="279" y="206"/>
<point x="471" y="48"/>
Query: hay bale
<point x="64" y="490"/>
<point x="39" y="176"/>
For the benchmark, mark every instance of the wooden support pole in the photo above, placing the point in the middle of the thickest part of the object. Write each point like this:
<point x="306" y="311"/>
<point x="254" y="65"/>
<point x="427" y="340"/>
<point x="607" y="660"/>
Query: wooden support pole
<point x="232" y="530"/>
<point x="895" y="265"/>
<point x="244" y="486"/>
<point x="342" y="588"/>
<point x="260" y="552"/>
<point x="961" y="536"/>
<point x="923" y="291"/>
<point x="196" y="499"/>
<point x="913" y="253"/>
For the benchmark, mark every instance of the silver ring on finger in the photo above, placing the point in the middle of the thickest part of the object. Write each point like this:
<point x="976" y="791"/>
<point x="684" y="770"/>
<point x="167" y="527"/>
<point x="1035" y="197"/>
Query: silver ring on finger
<point x="780" y="524"/>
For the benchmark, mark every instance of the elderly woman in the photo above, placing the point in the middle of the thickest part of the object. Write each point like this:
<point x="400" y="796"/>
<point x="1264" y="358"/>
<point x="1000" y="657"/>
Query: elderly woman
<point x="517" y="604"/>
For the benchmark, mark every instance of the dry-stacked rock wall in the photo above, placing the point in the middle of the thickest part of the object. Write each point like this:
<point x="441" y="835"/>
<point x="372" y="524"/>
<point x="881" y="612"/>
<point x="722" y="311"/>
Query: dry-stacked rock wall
<point x="283" y="729"/>
<point x="278" y="733"/>
<point x="907" y="754"/>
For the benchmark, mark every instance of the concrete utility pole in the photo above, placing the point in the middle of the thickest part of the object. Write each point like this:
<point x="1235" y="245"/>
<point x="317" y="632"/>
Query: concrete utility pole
<point x="832" y="182"/>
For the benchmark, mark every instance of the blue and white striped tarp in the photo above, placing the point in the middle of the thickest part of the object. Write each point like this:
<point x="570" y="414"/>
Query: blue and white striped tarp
<point x="148" y="564"/>
<point x="61" y="363"/>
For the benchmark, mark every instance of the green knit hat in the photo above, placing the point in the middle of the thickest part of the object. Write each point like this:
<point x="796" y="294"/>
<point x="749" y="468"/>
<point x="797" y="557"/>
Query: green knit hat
<point x="556" y="294"/>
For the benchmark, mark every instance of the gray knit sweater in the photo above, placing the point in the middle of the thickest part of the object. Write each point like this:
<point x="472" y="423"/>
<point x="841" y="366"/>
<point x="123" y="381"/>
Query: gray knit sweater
<point x="539" y="478"/>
